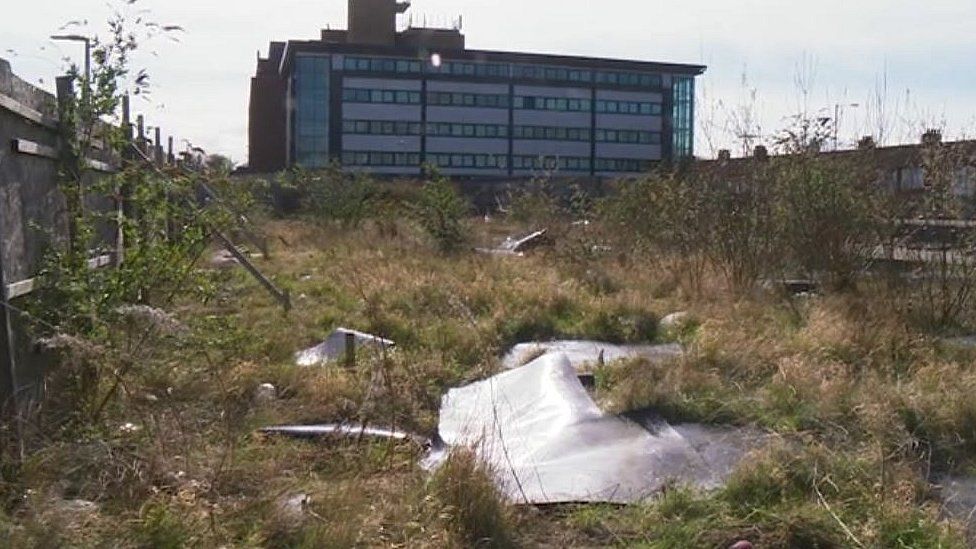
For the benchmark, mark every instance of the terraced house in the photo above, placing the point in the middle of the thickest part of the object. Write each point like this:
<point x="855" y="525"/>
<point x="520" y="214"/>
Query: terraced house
<point x="390" y="102"/>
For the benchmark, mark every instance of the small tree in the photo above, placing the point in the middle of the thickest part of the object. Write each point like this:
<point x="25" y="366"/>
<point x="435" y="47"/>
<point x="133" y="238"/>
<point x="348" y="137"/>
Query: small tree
<point x="828" y="207"/>
<point x="440" y="212"/>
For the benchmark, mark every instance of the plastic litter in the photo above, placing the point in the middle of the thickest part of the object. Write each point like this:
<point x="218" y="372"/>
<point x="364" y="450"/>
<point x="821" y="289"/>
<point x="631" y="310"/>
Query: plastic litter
<point x="589" y="353"/>
<point x="334" y="347"/>
<point x="548" y="442"/>
<point x="518" y="246"/>
<point x="345" y="431"/>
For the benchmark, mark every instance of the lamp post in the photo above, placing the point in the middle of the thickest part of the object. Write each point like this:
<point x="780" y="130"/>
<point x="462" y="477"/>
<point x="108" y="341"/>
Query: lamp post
<point x="87" y="42"/>
<point x="837" y="111"/>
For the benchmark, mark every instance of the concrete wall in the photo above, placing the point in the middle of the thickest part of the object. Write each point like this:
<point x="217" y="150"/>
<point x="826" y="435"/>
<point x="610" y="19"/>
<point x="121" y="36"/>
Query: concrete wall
<point x="33" y="217"/>
<point x="29" y="198"/>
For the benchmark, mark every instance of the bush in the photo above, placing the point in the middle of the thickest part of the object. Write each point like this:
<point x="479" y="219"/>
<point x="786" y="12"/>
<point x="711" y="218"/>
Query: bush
<point x="440" y="212"/>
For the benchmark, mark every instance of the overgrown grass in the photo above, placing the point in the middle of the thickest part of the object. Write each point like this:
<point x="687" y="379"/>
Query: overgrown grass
<point x="861" y="407"/>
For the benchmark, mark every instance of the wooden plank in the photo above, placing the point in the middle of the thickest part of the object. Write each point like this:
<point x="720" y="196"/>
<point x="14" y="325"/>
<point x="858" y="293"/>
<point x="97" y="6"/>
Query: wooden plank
<point x="24" y="111"/>
<point x="24" y="146"/>
<point x="19" y="289"/>
<point x="100" y="166"/>
<point x="24" y="287"/>
<point x="282" y="296"/>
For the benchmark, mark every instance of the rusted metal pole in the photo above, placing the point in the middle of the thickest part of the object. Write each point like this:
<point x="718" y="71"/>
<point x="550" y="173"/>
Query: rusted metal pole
<point x="350" y="351"/>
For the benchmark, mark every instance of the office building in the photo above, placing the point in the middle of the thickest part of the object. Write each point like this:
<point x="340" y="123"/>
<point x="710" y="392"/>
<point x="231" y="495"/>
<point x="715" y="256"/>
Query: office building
<point x="388" y="102"/>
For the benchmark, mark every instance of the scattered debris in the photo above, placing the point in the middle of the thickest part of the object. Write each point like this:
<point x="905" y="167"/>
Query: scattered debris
<point x="589" y="353"/>
<point x="77" y="506"/>
<point x="337" y="347"/>
<point x="73" y="514"/>
<point x="346" y="431"/>
<point x="294" y="508"/>
<point x="518" y="246"/>
<point x="961" y="343"/>
<point x="526" y="243"/>
<point x="742" y="545"/>
<point x="673" y="324"/>
<point x="265" y="393"/>
<point x="129" y="428"/>
<point x="223" y="259"/>
<point x="498" y="251"/>
<point x="959" y="500"/>
<point x="549" y="442"/>
<point x="794" y="287"/>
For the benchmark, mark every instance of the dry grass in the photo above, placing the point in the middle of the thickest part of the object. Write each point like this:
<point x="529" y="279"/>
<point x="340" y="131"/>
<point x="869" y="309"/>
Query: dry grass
<point x="864" y="408"/>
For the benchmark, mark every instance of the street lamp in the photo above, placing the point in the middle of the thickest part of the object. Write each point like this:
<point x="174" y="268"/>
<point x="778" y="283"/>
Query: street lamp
<point x="837" y="110"/>
<point x="87" y="42"/>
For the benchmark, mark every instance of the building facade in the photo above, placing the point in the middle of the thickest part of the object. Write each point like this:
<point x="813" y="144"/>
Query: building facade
<point x="389" y="102"/>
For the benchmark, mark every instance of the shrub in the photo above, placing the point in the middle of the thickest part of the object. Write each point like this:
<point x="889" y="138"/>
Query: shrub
<point x="440" y="212"/>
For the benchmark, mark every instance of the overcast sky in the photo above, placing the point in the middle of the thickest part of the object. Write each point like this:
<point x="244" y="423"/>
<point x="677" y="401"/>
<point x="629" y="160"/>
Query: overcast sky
<point x="761" y="55"/>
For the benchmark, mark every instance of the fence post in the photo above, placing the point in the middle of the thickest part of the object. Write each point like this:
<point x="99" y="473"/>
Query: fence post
<point x="350" y="350"/>
<point x="141" y="133"/>
<point x="8" y="356"/>
<point x="69" y="164"/>
<point x="122" y="210"/>
<point x="158" y="147"/>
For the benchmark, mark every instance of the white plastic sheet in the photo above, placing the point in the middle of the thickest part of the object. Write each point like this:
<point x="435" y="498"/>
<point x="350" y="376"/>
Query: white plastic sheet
<point x="548" y="442"/>
<point x="334" y="348"/>
<point x="589" y="353"/>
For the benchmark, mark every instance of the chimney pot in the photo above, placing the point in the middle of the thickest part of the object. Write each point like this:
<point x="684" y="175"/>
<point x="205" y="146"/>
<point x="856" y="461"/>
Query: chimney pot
<point x="761" y="152"/>
<point x="725" y="155"/>
<point x="866" y="143"/>
<point x="932" y="137"/>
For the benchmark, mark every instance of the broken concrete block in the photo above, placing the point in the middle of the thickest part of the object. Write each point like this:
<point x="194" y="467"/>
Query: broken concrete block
<point x="336" y="347"/>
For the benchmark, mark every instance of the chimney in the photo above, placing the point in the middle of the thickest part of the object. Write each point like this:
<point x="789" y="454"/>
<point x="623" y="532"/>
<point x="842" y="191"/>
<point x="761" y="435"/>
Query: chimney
<point x="932" y="137"/>
<point x="761" y="152"/>
<point x="724" y="155"/>
<point x="866" y="143"/>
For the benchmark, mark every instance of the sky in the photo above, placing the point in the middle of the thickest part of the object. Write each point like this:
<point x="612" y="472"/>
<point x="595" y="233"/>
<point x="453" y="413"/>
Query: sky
<point x="888" y="68"/>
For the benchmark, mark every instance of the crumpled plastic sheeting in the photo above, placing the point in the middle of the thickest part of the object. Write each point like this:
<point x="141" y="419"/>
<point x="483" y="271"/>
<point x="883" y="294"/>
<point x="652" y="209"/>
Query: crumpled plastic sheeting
<point x="334" y="348"/>
<point x="959" y="501"/>
<point x="548" y="442"/>
<point x="583" y="353"/>
<point x="517" y="246"/>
